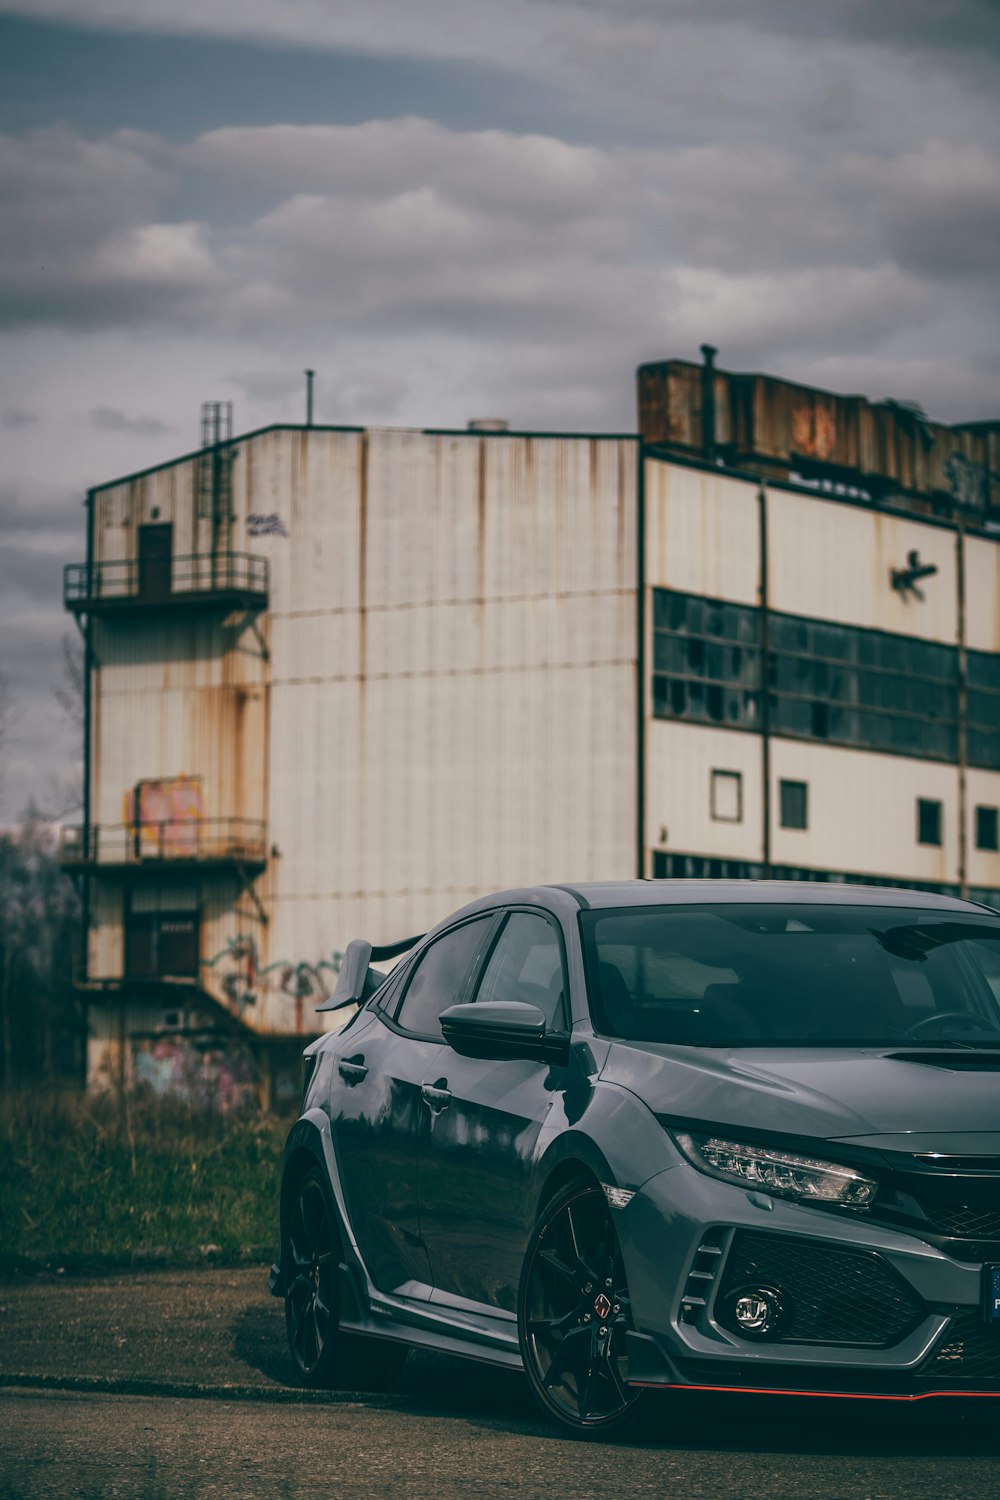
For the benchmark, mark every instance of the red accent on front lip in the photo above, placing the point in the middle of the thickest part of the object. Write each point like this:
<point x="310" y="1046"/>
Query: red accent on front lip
<point x="760" y="1390"/>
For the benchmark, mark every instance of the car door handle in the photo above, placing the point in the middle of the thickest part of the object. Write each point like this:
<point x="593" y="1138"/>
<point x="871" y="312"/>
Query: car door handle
<point x="353" y="1069"/>
<point x="437" y="1095"/>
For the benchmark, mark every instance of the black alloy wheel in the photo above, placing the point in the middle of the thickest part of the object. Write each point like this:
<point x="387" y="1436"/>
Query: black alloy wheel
<point x="311" y="1300"/>
<point x="574" y="1313"/>
<point x="324" y="1355"/>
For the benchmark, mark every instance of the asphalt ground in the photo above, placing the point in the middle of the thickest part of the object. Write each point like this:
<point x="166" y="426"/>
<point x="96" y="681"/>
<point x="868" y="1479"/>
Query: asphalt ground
<point x="178" y="1384"/>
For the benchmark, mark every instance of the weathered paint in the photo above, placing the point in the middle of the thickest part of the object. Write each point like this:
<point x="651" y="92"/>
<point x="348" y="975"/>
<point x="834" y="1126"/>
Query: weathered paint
<point x="982" y="611"/>
<point x="775" y="426"/>
<point x="832" y="561"/>
<point x="451" y="619"/>
<point x="680" y="762"/>
<point x="701" y="533"/>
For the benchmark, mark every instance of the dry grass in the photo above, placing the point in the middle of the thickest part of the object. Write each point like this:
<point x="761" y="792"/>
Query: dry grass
<point x="109" y="1181"/>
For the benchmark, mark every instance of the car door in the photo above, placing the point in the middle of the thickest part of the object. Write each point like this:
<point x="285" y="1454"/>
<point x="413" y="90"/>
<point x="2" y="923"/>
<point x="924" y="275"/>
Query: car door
<point x="378" y="1112"/>
<point x="475" y="1160"/>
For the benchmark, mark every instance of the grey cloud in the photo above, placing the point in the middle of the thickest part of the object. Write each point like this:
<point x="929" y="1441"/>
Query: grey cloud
<point x="16" y="416"/>
<point x="113" y="419"/>
<point x="79" y="240"/>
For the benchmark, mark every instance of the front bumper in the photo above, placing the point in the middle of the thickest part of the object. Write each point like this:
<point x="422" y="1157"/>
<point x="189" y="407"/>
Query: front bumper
<point x="874" y="1311"/>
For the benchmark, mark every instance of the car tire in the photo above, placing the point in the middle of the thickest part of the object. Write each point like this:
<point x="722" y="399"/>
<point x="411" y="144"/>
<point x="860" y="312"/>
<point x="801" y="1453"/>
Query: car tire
<point x="574" y="1313"/>
<point x="323" y="1355"/>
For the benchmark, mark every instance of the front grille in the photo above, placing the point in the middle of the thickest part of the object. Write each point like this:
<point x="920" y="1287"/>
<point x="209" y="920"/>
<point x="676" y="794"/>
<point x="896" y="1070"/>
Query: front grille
<point x="965" y="1223"/>
<point x="968" y="1351"/>
<point x="838" y="1296"/>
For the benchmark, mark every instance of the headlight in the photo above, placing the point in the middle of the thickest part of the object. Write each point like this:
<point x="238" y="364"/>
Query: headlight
<point x="777" y="1172"/>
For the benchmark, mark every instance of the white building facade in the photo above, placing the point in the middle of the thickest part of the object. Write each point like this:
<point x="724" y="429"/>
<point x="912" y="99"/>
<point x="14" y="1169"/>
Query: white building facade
<point x="340" y="681"/>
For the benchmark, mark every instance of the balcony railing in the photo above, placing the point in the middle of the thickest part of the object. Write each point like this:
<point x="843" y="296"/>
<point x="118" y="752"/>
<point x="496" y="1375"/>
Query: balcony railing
<point x="196" y="842"/>
<point x="225" y="579"/>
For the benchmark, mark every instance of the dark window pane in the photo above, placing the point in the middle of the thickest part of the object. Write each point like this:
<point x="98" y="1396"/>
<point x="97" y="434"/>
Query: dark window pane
<point x="794" y="804"/>
<point x="440" y="977"/>
<point x="929" y="820"/>
<point x="179" y="943"/>
<point x="526" y="965"/>
<point x="987" y="829"/>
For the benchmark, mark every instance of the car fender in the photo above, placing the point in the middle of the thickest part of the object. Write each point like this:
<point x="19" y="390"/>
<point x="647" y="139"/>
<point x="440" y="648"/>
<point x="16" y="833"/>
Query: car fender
<point x="310" y="1140"/>
<point x="617" y="1139"/>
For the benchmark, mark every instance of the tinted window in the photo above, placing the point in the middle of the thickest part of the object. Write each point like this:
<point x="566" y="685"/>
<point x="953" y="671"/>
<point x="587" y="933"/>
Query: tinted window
<point x="440" y="977"/>
<point x="793" y="975"/>
<point x="526" y="965"/>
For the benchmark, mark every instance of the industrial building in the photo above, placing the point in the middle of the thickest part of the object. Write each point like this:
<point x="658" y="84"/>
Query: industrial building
<point x="340" y="680"/>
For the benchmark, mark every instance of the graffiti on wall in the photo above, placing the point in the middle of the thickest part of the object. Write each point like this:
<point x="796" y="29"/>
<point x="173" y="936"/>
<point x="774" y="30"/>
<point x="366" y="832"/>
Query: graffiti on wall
<point x="243" y="979"/>
<point x="165" y="816"/>
<point x="261" y="525"/>
<point x="207" y="1076"/>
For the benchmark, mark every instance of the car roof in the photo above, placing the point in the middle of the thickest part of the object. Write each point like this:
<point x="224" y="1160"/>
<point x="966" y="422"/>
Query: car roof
<point x="604" y="894"/>
<point x="758" y="892"/>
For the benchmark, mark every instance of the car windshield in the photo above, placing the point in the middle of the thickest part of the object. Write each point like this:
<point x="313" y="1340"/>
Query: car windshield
<point x="809" y="975"/>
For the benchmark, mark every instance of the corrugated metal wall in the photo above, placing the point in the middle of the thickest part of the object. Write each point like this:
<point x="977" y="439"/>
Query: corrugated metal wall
<point x="448" y="707"/>
<point x="827" y="560"/>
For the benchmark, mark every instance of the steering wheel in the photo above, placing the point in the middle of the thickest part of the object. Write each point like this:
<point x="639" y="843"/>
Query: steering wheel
<point x="976" y="1022"/>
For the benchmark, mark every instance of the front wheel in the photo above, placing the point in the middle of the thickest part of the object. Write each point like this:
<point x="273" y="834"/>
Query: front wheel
<point x="574" y="1313"/>
<point x="324" y="1355"/>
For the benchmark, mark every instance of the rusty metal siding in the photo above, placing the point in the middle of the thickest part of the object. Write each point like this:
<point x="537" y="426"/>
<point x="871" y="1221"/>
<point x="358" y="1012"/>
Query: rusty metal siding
<point x="863" y="812"/>
<point x="702" y="533"/>
<point x="448" y="703"/>
<point x="862" y="807"/>
<point x="983" y="790"/>
<point x="982" y="594"/>
<point x="428" y="712"/>
<point x="775" y="426"/>
<point x="832" y="561"/>
<point x="680" y="762"/>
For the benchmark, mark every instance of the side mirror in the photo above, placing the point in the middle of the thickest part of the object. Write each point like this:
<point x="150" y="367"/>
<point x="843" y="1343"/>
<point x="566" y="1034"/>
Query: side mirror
<point x="501" y="1029"/>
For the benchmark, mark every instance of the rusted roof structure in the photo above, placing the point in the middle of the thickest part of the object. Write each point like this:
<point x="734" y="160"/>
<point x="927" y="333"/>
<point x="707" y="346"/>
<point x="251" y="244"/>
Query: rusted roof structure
<point x="774" y="427"/>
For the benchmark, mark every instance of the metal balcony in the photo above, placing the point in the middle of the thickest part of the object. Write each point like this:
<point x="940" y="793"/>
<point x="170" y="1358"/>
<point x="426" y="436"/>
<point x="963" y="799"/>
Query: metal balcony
<point x="190" y="844"/>
<point x="223" y="581"/>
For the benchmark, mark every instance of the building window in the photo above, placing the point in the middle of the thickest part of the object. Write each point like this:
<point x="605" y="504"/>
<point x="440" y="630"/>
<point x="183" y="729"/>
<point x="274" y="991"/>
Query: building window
<point x="987" y="828"/>
<point x="727" y="796"/>
<point x="929" y="820"/>
<point x="794" y="804"/>
<point x="161" y="943"/>
<point x="823" y="681"/>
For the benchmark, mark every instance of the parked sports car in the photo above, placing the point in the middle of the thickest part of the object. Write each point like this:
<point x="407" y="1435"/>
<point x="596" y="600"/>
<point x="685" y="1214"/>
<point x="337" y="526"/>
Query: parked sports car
<point x="644" y="1135"/>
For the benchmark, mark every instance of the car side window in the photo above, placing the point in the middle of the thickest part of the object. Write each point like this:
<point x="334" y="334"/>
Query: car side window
<point x="526" y="965"/>
<point x="440" y="976"/>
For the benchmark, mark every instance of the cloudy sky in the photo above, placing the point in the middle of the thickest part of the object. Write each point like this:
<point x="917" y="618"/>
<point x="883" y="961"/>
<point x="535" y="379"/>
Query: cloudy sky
<point x="460" y="208"/>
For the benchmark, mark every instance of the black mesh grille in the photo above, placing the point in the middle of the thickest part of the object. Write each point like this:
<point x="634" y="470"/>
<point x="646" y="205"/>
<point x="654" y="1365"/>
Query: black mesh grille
<point x="838" y="1296"/>
<point x="967" y="1223"/>
<point x="968" y="1351"/>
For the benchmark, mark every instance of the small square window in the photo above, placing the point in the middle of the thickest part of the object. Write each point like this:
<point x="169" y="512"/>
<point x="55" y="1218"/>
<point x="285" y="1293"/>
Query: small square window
<point x="794" y="804"/>
<point x="987" y="828"/>
<point x="929" y="821"/>
<point x="727" y="796"/>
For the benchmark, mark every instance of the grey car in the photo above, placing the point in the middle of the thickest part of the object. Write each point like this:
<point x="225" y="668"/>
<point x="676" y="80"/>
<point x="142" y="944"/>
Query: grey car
<point x="651" y="1134"/>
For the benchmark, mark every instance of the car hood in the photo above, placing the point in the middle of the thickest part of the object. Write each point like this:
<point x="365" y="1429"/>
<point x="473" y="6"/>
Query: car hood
<point x="908" y="1101"/>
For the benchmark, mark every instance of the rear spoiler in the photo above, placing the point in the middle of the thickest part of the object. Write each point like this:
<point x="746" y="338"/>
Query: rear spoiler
<point x="357" y="981"/>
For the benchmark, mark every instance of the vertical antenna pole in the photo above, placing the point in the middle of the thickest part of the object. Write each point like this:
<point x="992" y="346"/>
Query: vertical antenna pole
<point x="309" y="397"/>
